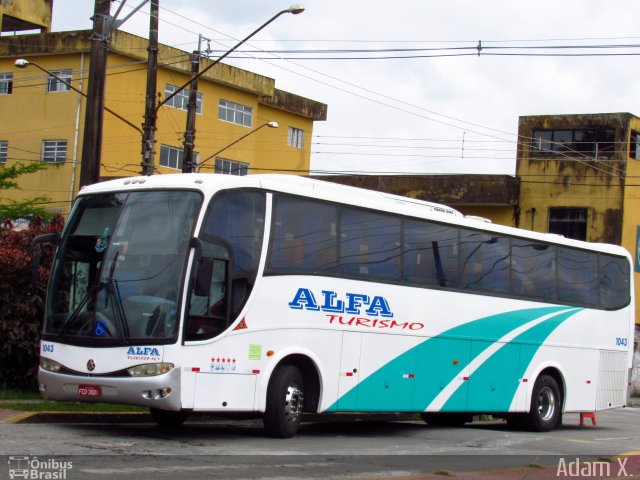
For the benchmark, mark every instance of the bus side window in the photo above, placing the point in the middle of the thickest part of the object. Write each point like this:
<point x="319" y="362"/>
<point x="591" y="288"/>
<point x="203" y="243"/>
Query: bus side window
<point x="304" y="237"/>
<point x="577" y="277"/>
<point x="614" y="281"/>
<point x="208" y="314"/>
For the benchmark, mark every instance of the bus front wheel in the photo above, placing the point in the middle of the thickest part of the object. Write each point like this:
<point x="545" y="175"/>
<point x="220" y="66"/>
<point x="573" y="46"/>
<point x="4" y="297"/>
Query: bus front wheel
<point x="546" y="405"/>
<point x="285" y="401"/>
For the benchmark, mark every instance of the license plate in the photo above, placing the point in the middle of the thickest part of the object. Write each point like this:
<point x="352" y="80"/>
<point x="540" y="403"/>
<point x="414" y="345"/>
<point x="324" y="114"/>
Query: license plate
<point x="89" y="391"/>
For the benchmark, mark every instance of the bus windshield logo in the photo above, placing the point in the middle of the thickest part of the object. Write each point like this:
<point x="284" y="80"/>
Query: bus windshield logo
<point x="352" y="304"/>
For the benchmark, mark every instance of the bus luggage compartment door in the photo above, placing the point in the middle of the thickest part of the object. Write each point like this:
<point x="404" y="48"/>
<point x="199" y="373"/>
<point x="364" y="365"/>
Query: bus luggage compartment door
<point x="224" y="392"/>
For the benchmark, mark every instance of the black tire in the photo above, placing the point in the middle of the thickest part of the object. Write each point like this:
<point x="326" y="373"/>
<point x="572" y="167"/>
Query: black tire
<point x="167" y="419"/>
<point x="439" y="419"/>
<point x="546" y="405"/>
<point x="285" y="402"/>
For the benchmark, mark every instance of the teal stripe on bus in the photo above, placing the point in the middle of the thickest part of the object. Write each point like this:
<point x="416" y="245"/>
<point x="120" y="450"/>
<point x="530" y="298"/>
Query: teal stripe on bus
<point x="492" y="386"/>
<point x="432" y="362"/>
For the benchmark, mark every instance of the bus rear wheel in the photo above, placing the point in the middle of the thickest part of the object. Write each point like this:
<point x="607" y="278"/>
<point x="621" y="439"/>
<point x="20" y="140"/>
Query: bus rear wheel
<point x="546" y="405"/>
<point x="166" y="418"/>
<point x="285" y="402"/>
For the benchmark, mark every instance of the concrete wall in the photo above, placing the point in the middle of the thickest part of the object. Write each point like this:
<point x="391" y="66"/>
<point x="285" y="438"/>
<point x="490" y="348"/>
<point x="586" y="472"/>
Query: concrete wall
<point x="18" y="15"/>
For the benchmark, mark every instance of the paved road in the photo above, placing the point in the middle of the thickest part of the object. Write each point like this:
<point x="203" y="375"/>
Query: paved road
<point x="362" y="449"/>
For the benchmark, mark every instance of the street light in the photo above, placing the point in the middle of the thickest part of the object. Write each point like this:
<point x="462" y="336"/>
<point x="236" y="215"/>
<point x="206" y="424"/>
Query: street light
<point x="268" y="124"/>
<point x="23" y="63"/>
<point x="150" y="120"/>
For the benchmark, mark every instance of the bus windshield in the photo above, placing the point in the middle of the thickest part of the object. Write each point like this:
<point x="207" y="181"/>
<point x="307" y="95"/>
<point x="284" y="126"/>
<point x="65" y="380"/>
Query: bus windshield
<point x="120" y="265"/>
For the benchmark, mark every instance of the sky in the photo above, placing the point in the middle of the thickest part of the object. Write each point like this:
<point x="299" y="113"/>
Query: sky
<point x="446" y="102"/>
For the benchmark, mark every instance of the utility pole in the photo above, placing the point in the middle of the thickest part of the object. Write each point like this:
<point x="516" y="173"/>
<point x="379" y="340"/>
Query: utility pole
<point x="188" y="164"/>
<point x="150" y="112"/>
<point x="92" y="138"/>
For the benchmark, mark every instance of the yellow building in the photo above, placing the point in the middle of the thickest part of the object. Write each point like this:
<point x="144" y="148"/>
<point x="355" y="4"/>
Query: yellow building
<point x="43" y="120"/>
<point x="580" y="177"/>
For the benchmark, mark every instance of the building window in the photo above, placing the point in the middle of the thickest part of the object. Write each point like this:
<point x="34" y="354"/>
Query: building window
<point x="172" y="157"/>
<point x="6" y="83"/>
<point x="634" y="145"/>
<point x="181" y="100"/>
<point x="572" y="142"/>
<point x="55" y="85"/>
<point x="569" y="222"/>
<point x="235" y="113"/>
<point x="231" y="167"/>
<point x="4" y="147"/>
<point x="296" y="137"/>
<point x="54" y="151"/>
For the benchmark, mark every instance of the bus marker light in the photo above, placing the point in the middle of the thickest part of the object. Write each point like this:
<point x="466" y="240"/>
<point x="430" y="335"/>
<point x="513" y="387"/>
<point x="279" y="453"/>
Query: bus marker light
<point x="456" y="362"/>
<point x="270" y="353"/>
<point x="465" y="378"/>
<point x="408" y="375"/>
<point x="588" y="382"/>
<point x="255" y="372"/>
<point x="241" y="326"/>
<point x="348" y="374"/>
<point x="195" y="369"/>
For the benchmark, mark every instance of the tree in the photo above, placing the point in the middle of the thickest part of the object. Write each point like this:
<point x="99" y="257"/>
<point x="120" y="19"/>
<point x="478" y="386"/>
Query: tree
<point x="22" y="303"/>
<point x="31" y="208"/>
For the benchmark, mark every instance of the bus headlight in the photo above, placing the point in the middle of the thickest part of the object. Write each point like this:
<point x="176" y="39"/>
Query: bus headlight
<point x="150" y="369"/>
<point x="49" y="365"/>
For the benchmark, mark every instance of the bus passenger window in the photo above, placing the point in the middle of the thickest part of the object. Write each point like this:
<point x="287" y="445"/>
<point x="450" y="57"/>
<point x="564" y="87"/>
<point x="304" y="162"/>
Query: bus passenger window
<point x="533" y="269"/>
<point x="577" y="277"/>
<point x="304" y="237"/>
<point x="484" y="262"/>
<point x="370" y="244"/>
<point x="430" y="253"/>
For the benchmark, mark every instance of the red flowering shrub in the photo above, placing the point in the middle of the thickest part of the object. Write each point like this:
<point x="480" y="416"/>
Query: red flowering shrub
<point x="22" y="305"/>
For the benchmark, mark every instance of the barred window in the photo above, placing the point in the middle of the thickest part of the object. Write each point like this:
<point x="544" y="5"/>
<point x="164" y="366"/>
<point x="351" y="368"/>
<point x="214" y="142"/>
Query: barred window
<point x="296" y="137"/>
<point x="6" y="83"/>
<point x="4" y="146"/>
<point x="54" y="151"/>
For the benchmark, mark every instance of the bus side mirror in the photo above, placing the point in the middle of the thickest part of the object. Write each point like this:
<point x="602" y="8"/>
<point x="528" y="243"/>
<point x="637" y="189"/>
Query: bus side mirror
<point x="203" y="277"/>
<point x="35" y="258"/>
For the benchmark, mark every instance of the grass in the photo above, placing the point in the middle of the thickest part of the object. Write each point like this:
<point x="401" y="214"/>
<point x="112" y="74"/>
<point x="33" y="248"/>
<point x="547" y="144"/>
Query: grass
<point x="78" y="407"/>
<point x="32" y="402"/>
<point x="12" y="394"/>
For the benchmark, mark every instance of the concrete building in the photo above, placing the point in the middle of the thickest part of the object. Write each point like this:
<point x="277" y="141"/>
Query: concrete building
<point x="580" y="177"/>
<point x="494" y="197"/>
<point x="43" y="120"/>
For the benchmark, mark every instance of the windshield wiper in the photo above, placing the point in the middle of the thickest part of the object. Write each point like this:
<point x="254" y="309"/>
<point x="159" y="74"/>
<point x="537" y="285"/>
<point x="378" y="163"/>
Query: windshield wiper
<point x="114" y="292"/>
<point x="92" y="291"/>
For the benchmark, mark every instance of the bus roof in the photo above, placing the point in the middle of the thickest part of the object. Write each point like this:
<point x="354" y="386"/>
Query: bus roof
<point x="310" y="187"/>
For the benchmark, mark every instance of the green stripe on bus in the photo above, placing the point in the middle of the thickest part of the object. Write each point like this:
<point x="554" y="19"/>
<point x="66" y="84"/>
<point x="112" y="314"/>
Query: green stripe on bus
<point x="434" y="362"/>
<point x="492" y="386"/>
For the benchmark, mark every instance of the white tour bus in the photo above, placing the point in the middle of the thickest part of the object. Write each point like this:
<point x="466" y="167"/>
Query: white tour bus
<point x="282" y="295"/>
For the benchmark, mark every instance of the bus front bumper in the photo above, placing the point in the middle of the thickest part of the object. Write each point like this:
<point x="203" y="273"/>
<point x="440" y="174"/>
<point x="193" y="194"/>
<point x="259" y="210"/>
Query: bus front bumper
<point x="159" y="391"/>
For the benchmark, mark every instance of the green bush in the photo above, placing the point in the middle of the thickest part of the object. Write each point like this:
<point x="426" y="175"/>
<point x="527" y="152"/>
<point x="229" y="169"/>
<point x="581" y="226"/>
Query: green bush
<point x="22" y="305"/>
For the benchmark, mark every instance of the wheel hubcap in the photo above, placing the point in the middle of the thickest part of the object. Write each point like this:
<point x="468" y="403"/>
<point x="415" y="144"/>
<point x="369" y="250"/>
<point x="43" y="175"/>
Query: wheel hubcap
<point x="546" y="404"/>
<point x="294" y="399"/>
